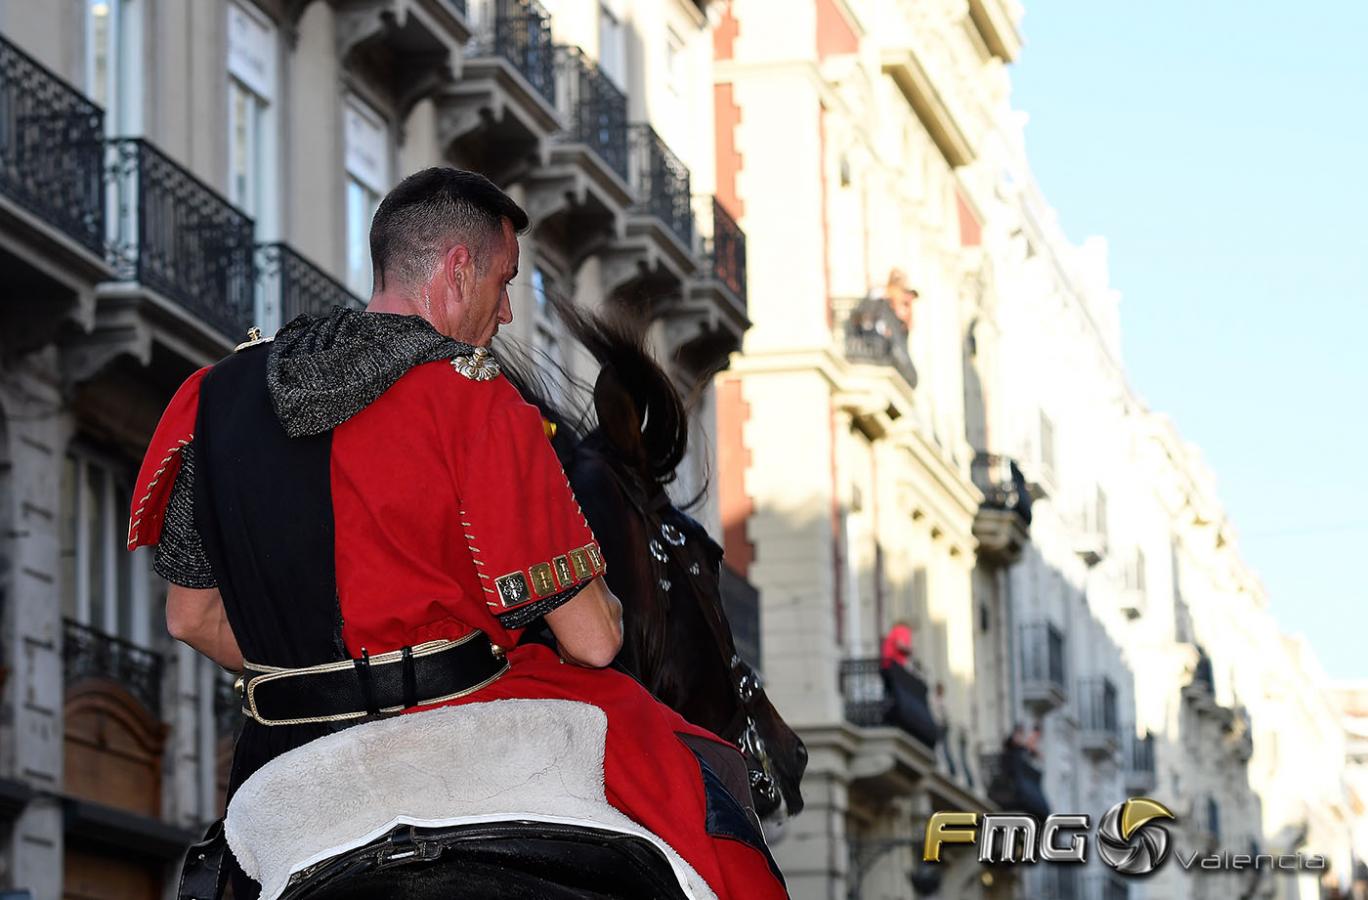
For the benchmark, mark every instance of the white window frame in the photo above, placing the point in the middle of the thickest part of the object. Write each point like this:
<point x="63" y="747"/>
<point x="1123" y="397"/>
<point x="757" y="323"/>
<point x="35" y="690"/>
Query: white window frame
<point x="122" y="102"/>
<point x="107" y="538"/>
<point x="368" y="159"/>
<point x="546" y="331"/>
<point x="253" y="49"/>
<point x="612" y="56"/>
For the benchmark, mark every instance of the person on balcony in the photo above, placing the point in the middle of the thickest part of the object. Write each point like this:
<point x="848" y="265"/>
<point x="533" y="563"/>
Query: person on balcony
<point x="907" y="705"/>
<point x="364" y="516"/>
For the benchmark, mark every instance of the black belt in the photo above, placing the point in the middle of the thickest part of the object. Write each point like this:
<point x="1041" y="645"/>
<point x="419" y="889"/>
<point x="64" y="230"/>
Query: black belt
<point x="385" y="683"/>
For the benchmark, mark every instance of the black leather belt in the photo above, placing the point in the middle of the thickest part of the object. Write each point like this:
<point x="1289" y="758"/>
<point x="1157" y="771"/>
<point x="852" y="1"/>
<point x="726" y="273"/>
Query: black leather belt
<point x="385" y="683"/>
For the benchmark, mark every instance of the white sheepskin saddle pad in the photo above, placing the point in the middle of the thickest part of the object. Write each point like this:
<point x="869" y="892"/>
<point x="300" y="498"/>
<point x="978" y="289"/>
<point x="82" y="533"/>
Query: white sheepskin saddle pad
<point x="531" y="760"/>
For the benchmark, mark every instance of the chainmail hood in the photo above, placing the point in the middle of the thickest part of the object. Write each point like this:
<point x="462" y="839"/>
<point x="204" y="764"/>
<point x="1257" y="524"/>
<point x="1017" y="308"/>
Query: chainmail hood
<point x="324" y="370"/>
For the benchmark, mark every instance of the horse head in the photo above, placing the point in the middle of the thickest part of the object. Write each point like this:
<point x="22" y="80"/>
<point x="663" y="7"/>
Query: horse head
<point x="663" y="565"/>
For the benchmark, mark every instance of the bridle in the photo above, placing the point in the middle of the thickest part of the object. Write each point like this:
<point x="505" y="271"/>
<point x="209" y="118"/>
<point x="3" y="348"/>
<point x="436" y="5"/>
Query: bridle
<point x="665" y="546"/>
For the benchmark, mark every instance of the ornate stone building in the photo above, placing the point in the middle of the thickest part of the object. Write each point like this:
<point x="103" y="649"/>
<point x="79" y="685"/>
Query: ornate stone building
<point x="174" y="172"/>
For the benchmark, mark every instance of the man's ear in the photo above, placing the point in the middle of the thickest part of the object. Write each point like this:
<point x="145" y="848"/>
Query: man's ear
<point x="458" y="270"/>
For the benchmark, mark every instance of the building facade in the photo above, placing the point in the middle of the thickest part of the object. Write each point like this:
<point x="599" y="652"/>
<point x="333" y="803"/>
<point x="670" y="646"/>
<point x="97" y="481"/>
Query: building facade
<point x="173" y="173"/>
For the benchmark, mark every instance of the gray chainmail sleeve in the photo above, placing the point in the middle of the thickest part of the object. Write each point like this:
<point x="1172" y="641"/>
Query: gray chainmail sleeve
<point x="180" y="555"/>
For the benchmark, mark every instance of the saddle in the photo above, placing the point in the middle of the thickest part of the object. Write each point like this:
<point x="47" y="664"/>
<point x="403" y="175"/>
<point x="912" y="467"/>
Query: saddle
<point x="402" y="807"/>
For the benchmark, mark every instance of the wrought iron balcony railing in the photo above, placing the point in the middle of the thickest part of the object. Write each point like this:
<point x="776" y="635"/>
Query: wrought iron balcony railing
<point x="1098" y="715"/>
<point x="1002" y="484"/>
<point x="1015" y="782"/>
<point x="1105" y="886"/>
<point x="1053" y="883"/>
<point x="722" y="244"/>
<point x="875" y="334"/>
<point x="1042" y="664"/>
<point x="88" y="653"/>
<point x="519" y="31"/>
<point x="592" y="107"/>
<point x="1140" y="770"/>
<point x="661" y="182"/>
<point x="51" y="149"/>
<point x="887" y="696"/>
<point x="295" y="286"/>
<point x="176" y="235"/>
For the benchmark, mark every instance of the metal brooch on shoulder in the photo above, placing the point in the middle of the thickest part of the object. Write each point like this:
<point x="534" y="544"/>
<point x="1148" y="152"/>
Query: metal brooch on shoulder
<point x="253" y="338"/>
<point x="477" y="366"/>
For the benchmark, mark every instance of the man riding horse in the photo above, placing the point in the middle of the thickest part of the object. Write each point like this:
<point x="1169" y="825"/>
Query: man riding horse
<point x="363" y="517"/>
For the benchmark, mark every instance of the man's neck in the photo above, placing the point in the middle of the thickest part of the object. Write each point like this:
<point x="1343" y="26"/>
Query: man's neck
<point x="393" y="302"/>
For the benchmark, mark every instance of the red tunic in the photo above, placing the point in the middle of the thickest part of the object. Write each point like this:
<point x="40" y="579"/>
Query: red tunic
<point x="450" y="509"/>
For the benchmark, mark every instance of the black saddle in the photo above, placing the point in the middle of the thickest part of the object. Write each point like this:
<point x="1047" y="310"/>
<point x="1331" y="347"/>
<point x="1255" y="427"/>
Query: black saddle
<point x="503" y="860"/>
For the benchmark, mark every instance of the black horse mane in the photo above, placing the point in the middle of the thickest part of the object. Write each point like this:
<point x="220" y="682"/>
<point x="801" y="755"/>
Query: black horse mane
<point x="637" y="428"/>
<point x="618" y="342"/>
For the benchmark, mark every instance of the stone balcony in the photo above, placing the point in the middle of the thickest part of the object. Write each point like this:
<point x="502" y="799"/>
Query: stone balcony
<point x="1139" y="771"/>
<point x="1043" y="685"/>
<point x="1002" y="524"/>
<point x="868" y="703"/>
<point x="499" y="116"/>
<point x="1099" y="722"/>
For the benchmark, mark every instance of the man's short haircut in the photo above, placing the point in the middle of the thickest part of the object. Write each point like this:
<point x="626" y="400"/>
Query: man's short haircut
<point x="429" y="211"/>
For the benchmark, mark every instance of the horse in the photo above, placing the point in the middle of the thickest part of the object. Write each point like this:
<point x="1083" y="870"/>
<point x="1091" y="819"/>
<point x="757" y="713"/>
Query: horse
<point x="661" y="563"/>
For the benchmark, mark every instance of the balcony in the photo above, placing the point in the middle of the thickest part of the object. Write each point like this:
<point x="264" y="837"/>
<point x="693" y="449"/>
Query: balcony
<point x="894" y="697"/>
<point x="1015" y="782"/>
<point x="593" y="110"/>
<point x="1239" y="735"/>
<point x="410" y="48"/>
<point x="498" y="117"/>
<point x="293" y="286"/>
<point x="1105" y="886"/>
<point x="579" y="195"/>
<point x="710" y="324"/>
<point x="1054" y="882"/>
<point x="741" y="603"/>
<point x="1131" y="585"/>
<point x="1003" y="522"/>
<point x="722" y="252"/>
<point x="1200" y="690"/>
<point x="651" y="263"/>
<point x="91" y="654"/>
<point x="1042" y="667"/>
<point x="1140" y="773"/>
<point x="1090" y="529"/>
<point x="872" y="334"/>
<point x="661" y="182"/>
<point x="51" y="149"/>
<point x="52" y="203"/>
<point x="176" y="236"/>
<point x="1098" y="722"/>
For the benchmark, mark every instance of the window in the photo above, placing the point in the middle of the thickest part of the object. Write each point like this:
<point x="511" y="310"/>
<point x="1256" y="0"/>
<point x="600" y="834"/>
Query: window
<point x="103" y="585"/>
<point x="612" y="46"/>
<point x="546" y="342"/>
<point x="112" y="62"/>
<point x="676" y="64"/>
<point x="102" y="50"/>
<point x="367" y="153"/>
<point x="251" y="116"/>
<point x="1047" y="446"/>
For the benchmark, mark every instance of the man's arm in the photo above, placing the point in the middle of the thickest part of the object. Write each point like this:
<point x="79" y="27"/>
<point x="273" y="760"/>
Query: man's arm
<point x="196" y="617"/>
<point x="588" y="627"/>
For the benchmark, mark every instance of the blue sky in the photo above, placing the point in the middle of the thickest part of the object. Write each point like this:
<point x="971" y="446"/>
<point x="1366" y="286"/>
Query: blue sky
<point x="1221" y="147"/>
